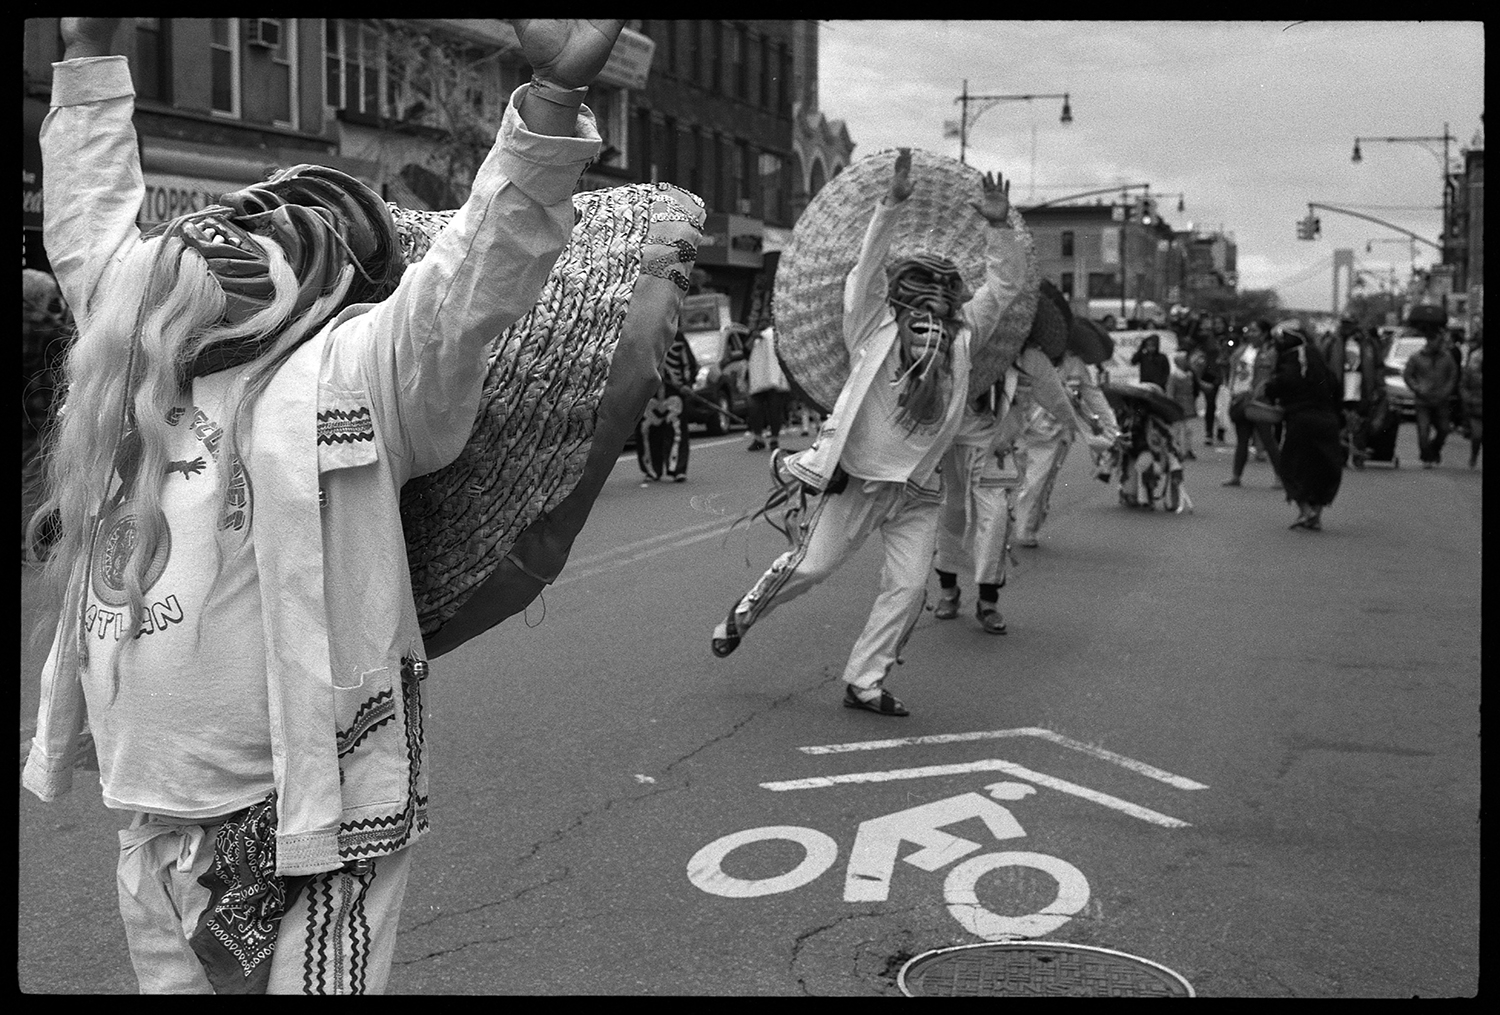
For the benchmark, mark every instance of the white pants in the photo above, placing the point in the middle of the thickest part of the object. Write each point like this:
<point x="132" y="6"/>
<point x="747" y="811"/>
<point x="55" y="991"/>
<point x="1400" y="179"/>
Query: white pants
<point x="907" y="522"/>
<point x="1042" y="447"/>
<point x="974" y="521"/>
<point x="337" y="937"/>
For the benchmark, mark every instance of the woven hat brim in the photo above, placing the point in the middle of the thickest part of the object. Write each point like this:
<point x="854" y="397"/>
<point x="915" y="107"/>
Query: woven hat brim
<point x="937" y="219"/>
<point x="545" y="378"/>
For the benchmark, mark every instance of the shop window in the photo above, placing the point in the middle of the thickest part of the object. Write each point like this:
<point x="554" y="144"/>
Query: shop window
<point x="283" y="81"/>
<point x="669" y="151"/>
<point x="772" y="179"/>
<point x="152" y="67"/>
<point x="739" y="57"/>
<point x="1104" y="285"/>
<point x="765" y="72"/>
<point x="739" y="189"/>
<point x="696" y="177"/>
<point x="1067" y="243"/>
<point x="353" y="66"/>
<point x="784" y="82"/>
<point x="687" y="163"/>
<point x="640" y="146"/>
<point x="224" y="57"/>
<point x="716" y="66"/>
<point x="695" y="46"/>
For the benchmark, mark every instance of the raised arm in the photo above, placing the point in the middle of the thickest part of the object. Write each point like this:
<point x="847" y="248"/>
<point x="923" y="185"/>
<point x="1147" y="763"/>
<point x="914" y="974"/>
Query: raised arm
<point x="91" y="182"/>
<point x="427" y="341"/>
<point x="1005" y="259"/>
<point x="865" y="288"/>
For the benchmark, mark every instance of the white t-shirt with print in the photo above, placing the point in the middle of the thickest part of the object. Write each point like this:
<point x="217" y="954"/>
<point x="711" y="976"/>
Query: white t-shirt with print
<point x="881" y="445"/>
<point x="187" y="733"/>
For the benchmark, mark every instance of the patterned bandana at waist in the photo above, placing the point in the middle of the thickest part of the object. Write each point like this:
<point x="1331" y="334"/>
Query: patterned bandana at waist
<point x="236" y="936"/>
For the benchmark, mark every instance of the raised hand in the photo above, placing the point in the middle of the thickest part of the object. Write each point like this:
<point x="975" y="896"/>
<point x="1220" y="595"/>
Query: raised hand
<point x="995" y="206"/>
<point x="87" y="36"/>
<point x="568" y="52"/>
<point x="901" y="185"/>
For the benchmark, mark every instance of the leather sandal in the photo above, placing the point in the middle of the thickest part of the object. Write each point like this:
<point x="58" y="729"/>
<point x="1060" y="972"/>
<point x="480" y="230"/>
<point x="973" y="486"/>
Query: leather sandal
<point x="886" y="704"/>
<point x="989" y="618"/>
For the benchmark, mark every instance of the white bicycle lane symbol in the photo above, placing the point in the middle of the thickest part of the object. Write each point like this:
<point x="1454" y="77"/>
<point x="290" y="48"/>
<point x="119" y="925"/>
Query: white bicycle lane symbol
<point x="878" y="841"/>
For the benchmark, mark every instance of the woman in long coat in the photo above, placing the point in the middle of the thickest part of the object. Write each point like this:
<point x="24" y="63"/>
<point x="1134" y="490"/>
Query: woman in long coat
<point x="1312" y="451"/>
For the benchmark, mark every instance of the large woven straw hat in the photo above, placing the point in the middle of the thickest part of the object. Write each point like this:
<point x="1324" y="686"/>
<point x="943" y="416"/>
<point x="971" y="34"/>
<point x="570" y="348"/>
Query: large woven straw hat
<point x="936" y="219"/>
<point x="540" y="412"/>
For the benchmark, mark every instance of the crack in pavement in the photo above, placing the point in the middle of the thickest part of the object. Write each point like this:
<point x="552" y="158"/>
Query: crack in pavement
<point x="516" y="896"/>
<point x="583" y="818"/>
<point x="503" y="938"/>
<point x="884" y="915"/>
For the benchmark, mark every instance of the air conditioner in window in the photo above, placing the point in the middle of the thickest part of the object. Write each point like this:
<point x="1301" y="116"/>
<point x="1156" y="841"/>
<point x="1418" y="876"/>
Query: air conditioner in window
<point x="743" y="206"/>
<point x="263" y="32"/>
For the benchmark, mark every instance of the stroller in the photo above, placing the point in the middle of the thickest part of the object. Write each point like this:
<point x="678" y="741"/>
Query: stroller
<point x="1148" y="458"/>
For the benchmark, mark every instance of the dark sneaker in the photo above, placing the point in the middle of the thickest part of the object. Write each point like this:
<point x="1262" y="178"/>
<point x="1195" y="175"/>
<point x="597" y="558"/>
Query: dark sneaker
<point x="1232" y="481"/>
<point x="757" y="445"/>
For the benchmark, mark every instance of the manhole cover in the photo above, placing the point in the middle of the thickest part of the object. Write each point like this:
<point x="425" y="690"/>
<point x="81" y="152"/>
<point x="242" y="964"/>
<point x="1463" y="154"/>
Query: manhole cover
<point x="1036" y="969"/>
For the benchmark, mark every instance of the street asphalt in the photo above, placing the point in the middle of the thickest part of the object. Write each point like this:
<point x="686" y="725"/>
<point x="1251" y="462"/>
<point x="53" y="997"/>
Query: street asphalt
<point x="1246" y="753"/>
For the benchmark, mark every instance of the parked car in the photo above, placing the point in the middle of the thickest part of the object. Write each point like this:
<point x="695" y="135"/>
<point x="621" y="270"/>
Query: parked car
<point x="1403" y="344"/>
<point x="1118" y="369"/>
<point x="721" y="387"/>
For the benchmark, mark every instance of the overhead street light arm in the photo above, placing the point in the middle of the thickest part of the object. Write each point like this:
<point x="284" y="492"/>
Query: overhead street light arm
<point x="984" y="102"/>
<point x="1117" y="188"/>
<point x="1371" y="218"/>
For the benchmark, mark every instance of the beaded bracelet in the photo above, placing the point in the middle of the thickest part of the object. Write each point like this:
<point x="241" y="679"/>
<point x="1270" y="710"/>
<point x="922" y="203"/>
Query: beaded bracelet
<point x="548" y="91"/>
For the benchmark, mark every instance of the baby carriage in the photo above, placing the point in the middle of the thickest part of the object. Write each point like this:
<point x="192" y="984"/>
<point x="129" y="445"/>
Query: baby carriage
<point x="1148" y="456"/>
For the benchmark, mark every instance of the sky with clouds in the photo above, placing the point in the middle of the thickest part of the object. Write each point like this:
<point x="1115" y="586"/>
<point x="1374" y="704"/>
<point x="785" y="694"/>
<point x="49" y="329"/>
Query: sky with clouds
<point x="1249" y="120"/>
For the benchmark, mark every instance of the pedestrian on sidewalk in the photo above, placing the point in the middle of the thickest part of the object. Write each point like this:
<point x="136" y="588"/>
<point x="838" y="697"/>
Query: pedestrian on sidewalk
<point x="1471" y="387"/>
<point x="1312" y="453"/>
<point x="1155" y="367"/>
<point x="662" y="443"/>
<point x="1204" y="356"/>
<point x="1182" y="388"/>
<point x="1250" y="369"/>
<point x="907" y="329"/>
<point x="769" y="392"/>
<point x="1432" y="376"/>
<point x="250" y="390"/>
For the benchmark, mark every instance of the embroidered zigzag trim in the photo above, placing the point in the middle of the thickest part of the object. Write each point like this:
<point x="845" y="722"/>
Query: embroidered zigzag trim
<point x="387" y="834"/>
<point x="335" y="426"/>
<point x="372" y="714"/>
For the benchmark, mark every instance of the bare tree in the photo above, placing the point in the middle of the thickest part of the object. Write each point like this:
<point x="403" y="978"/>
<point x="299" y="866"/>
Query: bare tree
<point x="445" y="93"/>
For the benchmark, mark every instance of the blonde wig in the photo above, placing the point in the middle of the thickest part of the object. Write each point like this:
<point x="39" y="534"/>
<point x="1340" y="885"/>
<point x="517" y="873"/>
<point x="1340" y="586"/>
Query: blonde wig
<point x="132" y="363"/>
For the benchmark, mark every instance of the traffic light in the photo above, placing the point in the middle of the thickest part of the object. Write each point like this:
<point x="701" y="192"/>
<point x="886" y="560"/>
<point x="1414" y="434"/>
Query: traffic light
<point x="1317" y="227"/>
<point x="1304" y="230"/>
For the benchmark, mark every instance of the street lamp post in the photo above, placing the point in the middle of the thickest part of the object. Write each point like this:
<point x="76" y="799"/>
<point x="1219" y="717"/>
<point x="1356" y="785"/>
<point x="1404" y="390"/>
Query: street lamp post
<point x="982" y="103"/>
<point x="1422" y="140"/>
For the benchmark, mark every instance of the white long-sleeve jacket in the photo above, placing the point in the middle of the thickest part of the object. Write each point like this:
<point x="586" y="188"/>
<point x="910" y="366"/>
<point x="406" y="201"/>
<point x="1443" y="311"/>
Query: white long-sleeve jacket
<point x="870" y="334"/>
<point x="383" y="393"/>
